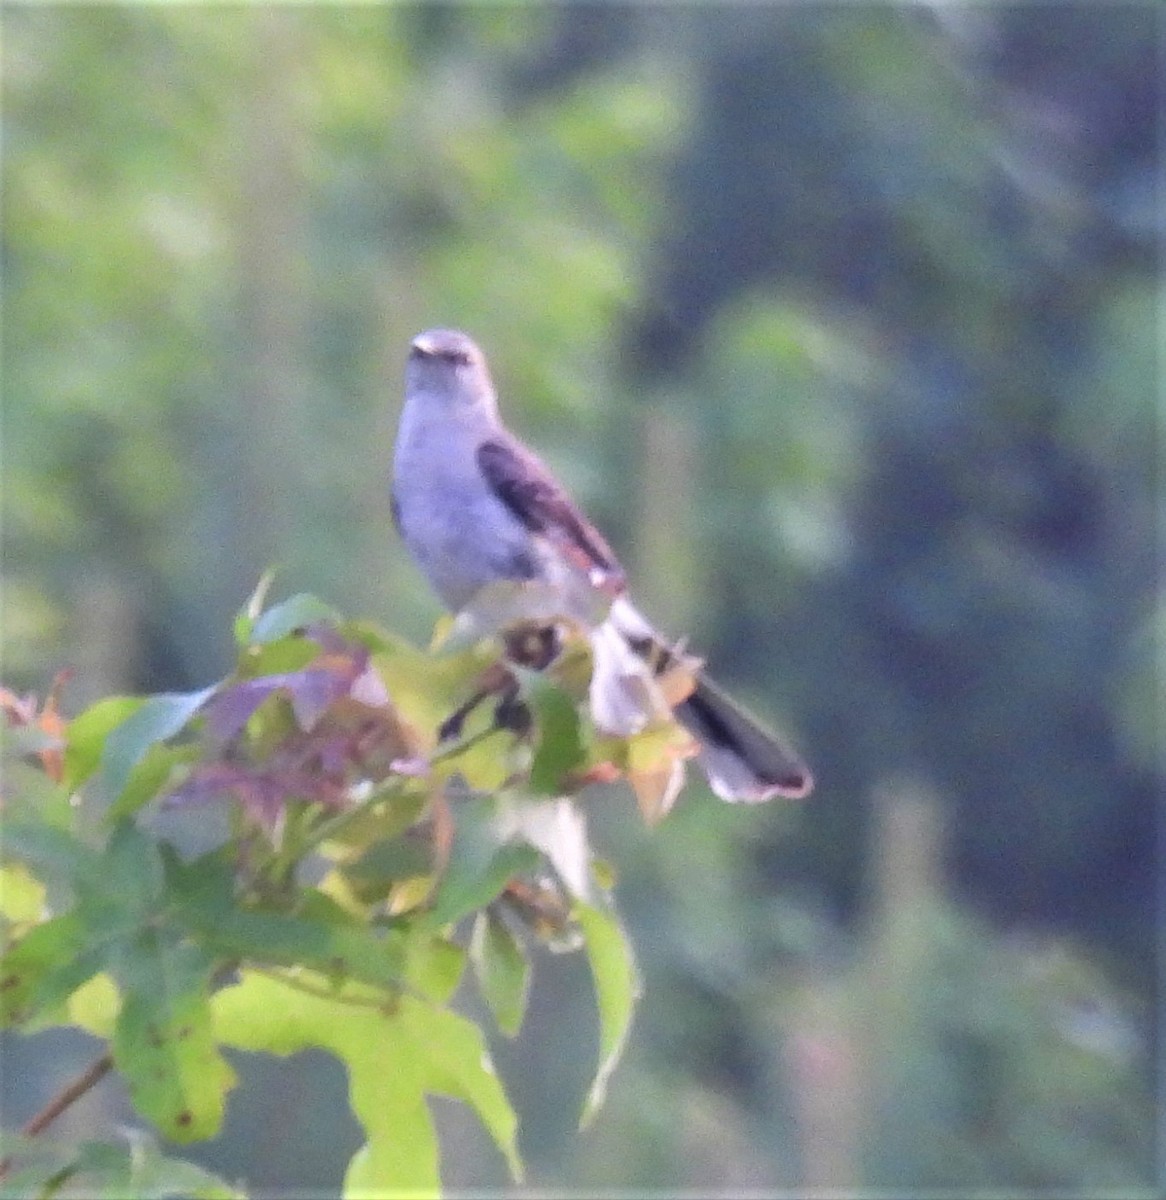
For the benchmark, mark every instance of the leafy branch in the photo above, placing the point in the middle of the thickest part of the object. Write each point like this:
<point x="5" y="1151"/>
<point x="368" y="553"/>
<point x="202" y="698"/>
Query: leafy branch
<point x="361" y="864"/>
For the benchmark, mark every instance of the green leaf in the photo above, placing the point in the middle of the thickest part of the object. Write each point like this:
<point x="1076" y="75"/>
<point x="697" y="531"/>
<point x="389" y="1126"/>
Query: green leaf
<point x="286" y="654"/>
<point x="94" y="1006"/>
<point x="560" y="749"/>
<point x="159" y="718"/>
<point x="293" y="613"/>
<point x="434" y="965"/>
<point x="150" y="777"/>
<point x="31" y="795"/>
<point x="53" y="854"/>
<point x="374" y="637"/>
<point x="44" y="968"/>
<point x="142" y="1171"/>
<point x="337" y="946"/>
<point x="118" y="891"/>
<point x="501" y="969"/>
<point x="376" y="830"/>
<point x="457" y="1063"/>
<point x="353" y="952"/>
<point x="87" y="732"/>
<point x="428" y="687"/>
<point x="127" y="877"/>
<point x="22" y="895"/>
<point x="470" y="883"/>
<point x="394" y="1059"/>
<point x="148" y="1174"/>
<point x="124" y="880"/>
<point x="390" y="858"/>
<point x="163" y="1042"/>
<point x="482" y="859"/>
<point x="613" y="971"/>
<point x="247" y="616"/>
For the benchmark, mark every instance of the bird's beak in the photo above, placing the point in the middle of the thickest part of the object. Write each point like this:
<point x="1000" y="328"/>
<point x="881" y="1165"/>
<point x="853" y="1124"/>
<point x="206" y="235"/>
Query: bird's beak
<point x="422" y="346"/>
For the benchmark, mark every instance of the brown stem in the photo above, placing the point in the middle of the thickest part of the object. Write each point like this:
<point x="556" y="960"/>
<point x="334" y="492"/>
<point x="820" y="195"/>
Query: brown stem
<point x="69" y="1094"/>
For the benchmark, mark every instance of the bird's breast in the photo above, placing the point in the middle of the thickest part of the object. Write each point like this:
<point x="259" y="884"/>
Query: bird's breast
<point x="458" y="531"/>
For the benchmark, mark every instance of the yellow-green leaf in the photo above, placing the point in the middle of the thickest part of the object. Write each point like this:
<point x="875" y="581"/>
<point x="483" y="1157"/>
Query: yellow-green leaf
<point x="163" y="1041"/>
<point x="560" y="748"/>
<point x="613" y="971"/>
<point x="94" y="1006"/>
<point x="394" y="1056"/>
<point x="87" y="733"/>
<point x="22" y="895"/>
<point x="44" y="968"/>
<point x="501" y="969"/>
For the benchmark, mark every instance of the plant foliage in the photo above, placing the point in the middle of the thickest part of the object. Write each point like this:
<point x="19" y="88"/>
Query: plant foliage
<point x="359" y="864"/>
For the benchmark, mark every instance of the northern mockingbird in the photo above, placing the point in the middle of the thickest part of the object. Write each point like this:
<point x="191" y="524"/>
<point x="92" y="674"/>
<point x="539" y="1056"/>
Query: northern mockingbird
<point x="475" y="507"/>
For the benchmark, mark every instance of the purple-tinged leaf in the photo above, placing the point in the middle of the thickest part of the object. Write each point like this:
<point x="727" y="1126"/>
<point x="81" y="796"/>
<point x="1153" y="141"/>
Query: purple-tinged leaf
<point x="328" y="638"/>
<point x="312" y="691"/>
<point x="232" y="708"/>
<point x="263" y="792"/>
<point x="369" y="688"/>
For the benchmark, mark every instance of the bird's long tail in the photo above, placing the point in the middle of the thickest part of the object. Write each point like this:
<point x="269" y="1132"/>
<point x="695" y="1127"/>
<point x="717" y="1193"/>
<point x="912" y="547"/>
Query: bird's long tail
<point x="745" y="762"/>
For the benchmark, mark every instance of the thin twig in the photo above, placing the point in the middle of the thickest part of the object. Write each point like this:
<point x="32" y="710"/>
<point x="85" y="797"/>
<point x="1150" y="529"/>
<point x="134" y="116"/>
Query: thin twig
<point x="465" y="744"/>
<point x="69" y="1094"/>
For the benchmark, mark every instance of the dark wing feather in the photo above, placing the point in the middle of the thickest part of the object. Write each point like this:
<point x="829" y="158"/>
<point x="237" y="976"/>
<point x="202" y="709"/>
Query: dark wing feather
<point x="529" y="491"/>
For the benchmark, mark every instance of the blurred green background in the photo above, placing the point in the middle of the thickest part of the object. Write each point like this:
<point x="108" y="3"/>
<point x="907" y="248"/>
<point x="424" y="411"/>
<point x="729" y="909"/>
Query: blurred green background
<point x="844" y="323"/>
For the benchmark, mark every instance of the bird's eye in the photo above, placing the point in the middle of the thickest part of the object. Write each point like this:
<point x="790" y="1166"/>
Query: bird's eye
<point x="448" y="354"/>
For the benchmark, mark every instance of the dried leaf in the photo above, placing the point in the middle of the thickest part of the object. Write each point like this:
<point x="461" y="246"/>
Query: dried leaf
<point x="22" y="712"/>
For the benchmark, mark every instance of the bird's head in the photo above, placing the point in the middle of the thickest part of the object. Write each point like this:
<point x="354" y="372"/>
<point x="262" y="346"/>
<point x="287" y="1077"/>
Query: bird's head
<point x="447" y="367"/>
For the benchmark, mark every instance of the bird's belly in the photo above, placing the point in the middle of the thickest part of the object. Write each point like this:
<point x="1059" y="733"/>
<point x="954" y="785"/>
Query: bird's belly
<point x="461" y="546"/>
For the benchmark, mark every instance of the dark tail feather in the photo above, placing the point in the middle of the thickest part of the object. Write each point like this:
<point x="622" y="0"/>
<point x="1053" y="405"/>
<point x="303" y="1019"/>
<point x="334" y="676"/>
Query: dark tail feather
<point x="744" y="761"/>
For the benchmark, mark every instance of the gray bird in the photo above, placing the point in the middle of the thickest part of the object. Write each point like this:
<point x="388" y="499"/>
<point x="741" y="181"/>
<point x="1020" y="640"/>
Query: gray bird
<point x="476" y="507"/>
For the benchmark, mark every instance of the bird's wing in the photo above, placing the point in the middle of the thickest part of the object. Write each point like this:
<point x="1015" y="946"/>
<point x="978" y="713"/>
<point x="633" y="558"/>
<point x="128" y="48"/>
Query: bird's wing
<point x="530" y="492"/>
